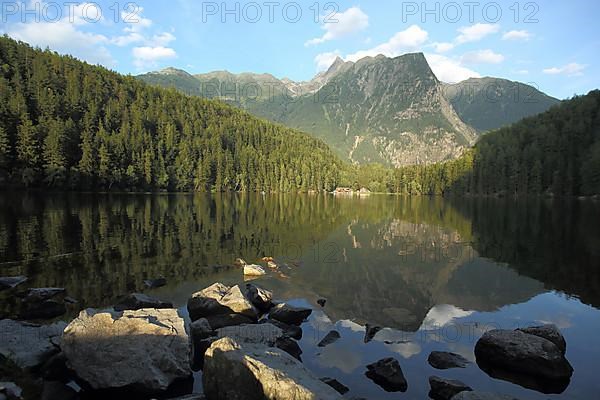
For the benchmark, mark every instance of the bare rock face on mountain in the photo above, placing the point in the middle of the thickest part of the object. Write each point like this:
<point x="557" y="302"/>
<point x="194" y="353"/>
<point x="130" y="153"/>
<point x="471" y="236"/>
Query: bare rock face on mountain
<point x="145" y="350"/>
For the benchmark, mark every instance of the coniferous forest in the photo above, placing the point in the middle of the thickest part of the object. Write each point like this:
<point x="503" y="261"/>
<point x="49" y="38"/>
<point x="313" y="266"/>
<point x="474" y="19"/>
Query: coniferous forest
<point x="65" y="124"/>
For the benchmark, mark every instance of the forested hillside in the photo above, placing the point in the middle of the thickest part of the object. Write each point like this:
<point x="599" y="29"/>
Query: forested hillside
<point x="67" y="124"/>
<point x="554" y="153"/>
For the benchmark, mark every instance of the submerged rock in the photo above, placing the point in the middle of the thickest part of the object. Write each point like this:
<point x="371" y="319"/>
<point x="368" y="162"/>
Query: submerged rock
<point x="29" y="345"/>
<point x="249" y="371"/>
<point x="445" y="360"/>
<point x="387" y="373"/>
<point x="445" y="389"/>
<point x="518" y="352"/>
<point x="334" y="383"/>
<point x="289" y="314"/>
<point x="10" y="282"/>
<point x="144" y="350"/>
<point x="254" y="270"/>
<point x="219" y="299"/>
<point x="137" y="301"/>
<point x="330" y="338"/>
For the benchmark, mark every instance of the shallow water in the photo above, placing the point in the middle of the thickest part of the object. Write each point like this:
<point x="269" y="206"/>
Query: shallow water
<point x="435" y="273"/>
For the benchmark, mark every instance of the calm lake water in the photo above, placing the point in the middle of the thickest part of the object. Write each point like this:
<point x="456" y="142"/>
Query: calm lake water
<point x="435" y="273"/>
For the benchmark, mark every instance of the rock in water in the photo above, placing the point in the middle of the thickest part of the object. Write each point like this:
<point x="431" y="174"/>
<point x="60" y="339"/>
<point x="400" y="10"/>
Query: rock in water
<point x="387" y="373"/>
<point x="260" y="298"/>
<point x="254" y="270"/>
<point x="137" y="301"/>
<point x="240" y="372"/>
<point x="289" y="314"/>
<point x="322" y="302"/>
<point x="522" y="353"/>
<point x="290" y="346"/>
<point x="293" y="331"/>
<point x="445" y="389"/>
<point x="29" y="345"/>
<point x="334" y="383"/>
<point x="144" y="350"/>
<point x="445" y="360"/>
<point x="219" y="299"/>
<point x="370" y="332"/>
<point x="9" y="282"/>
<point x="155" y="283"/>
<point x="548" y="332"/>
<point x="330" y="338"/>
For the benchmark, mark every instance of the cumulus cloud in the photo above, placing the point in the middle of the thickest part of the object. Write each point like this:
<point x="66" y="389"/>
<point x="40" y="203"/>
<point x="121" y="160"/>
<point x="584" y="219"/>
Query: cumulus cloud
<point x="572" y="69"/>
<point x="475" y="33"/>
<point x="410" y="39"/>
<point x="343" y="24"/>
<point x="448" y="69"/>
<point x="482" y="57"/>
<point x="149" y="57"/>
<point x="442" y="47"/>
<point x="516" y="35"/>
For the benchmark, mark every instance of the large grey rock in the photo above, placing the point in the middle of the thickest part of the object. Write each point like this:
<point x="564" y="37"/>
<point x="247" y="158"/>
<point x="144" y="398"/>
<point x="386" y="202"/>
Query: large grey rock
<point x="265" y="334"/>
<point x="202" y="336"/>
<point x="522" y="353"/>
<point x="260" y="298"/>
<point x="445" y="389"/>
<point x="29" y="345"/>
<point x="9" y="282"/>
<point x="482" y="396"/>
<point x="144" y="350"/>
<point x="387" y="373"/>
<point x="42" y="303"/>
<point x="256" y="372"/>
<point x="548" y="332"/>
<point x="445" y="360"/>
<point x="289" y="314"/>
<point x="137" y="301"/>
<point x="223" y="320"/>
<point x="220" y="299"/>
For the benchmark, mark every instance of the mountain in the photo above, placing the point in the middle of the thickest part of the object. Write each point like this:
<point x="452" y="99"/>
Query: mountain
<point x="491" y="103"/>
<point x="65" y="124"/>
<point x="173" y="78"/>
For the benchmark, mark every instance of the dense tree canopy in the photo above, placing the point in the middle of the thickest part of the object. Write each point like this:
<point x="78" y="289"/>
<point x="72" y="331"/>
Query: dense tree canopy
<point x="66" y="124"/>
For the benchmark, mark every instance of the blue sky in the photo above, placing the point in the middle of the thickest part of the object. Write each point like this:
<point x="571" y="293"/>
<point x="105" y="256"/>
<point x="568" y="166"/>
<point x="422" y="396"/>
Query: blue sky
<point x="554" y="45"/>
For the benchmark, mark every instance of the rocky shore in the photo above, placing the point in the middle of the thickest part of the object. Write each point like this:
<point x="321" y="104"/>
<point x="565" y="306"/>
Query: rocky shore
<point x="244" y="342"/>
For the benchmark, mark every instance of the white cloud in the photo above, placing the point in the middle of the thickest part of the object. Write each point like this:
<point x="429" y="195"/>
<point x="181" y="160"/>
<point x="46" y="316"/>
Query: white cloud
<point x="522" y="72"/>
<point x="482" y="57"/>
<point x="410" y="39"/>
<point x="149" y="57"/>
<point x="135" y="22"/>
<point x="324" y="60"/>
<point x="442" y="47"/>
<point x="443" y="315"/>
<point x="572" y="69"/>
<point x="476" y="32"/>
<point x="348" y="22"/>
<point x="65" y="38"/>
<point x="449" y="70"/>
<point x="516" y="35"/>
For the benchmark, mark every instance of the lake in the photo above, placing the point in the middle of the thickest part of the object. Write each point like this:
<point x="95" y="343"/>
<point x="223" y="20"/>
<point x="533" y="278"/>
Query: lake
<point x="434" y="273"/>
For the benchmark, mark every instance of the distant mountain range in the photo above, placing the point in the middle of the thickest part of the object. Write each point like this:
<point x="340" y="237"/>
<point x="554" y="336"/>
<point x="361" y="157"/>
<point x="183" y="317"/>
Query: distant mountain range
<point x="392" y="111"/>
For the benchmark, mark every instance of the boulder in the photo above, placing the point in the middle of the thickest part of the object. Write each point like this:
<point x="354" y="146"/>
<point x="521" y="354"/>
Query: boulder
<point x="445" y="360"/>
<point x="445" y="389"/>
<point x="10" y="282"/>
<point x="223" y="320"/>
<point x="202" y="336"/>
<point x="29" y="345"/>
<point x="264" y="334"/>
<point x="289" y="315"/>
<point x="10" y="391"/>
<point x="256" y="372"/>
<point x="155" y="283"/>
<point x="219" y="299"/>
<point x="370" y="332"/>
<point x="522" y="353"/>
<point x="41" y="294"/>
<point x="293" y="331"/>
<point x="482" y="396"/>
<point x="137" y="301"/>
<point x="290" y="346"/>
<point x="334" y="383"/>
<point x="144" y="350"/>
<point x="548" y="332"/>
<point x="330" y="338"/>
<point x="254" y="270"/>
<point x="387" y="373"/>
<point x="262" y="299"/>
